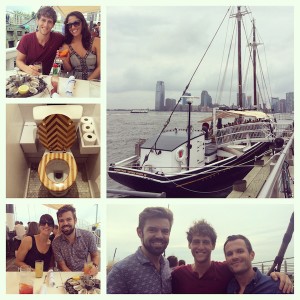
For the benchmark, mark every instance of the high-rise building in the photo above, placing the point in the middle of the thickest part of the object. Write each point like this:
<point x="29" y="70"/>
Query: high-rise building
<point x="206" y="100"/>
<point x="243" y="99"/>
<point x="170" y="104"/>
<point x="290" y="101"/>
<point x="160" y="96"/>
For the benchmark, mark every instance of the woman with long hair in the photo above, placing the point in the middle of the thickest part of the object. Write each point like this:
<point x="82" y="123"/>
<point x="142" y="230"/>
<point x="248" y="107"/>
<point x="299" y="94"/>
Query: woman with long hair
<point x="38" y="246"/>
<point x="83" y="57"/>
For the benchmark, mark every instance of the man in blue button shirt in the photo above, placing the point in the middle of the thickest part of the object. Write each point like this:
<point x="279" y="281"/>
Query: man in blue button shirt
<point x="247" y="280"/>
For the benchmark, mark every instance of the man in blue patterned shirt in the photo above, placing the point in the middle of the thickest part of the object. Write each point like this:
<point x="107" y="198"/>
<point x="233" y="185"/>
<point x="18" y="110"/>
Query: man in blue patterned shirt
<point x="146" y="271"/>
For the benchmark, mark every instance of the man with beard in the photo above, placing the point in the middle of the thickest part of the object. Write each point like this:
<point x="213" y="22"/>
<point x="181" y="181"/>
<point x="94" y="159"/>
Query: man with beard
<point x="239" y="255"/>
<point x="40" y="45"/>
<point x="206" y="276"/>
<point x="72" y="247"/>
<point x="146" y="271"/>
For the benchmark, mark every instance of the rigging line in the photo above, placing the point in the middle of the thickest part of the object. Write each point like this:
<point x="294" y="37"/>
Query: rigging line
<point x="263" y="77"/>
<point x="220" y="71"/>
<point x="187" y="86"/>
<point x="233" y="58"/>
<point x="227" y="61"/>
<point x="198" y="192"/>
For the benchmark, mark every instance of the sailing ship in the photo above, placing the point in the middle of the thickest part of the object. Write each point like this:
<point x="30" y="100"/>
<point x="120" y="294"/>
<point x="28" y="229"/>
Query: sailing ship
<point x="205" y="162"/>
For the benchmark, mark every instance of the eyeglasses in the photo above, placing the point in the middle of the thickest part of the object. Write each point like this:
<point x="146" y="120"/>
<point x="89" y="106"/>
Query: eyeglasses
<point x="43" y="223"/>
<point x="75" y="24"/>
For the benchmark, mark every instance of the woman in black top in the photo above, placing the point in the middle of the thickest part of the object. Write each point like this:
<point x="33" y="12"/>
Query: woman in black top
<point x="38" y="246"/>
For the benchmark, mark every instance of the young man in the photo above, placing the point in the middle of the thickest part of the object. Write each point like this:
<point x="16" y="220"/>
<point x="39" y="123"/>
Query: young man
<point x="206" y="276"/>
<point x="146" y="271"/>
<point x="239" y="255"/>
<point x="40" y="45"/>
<point x="72" y="247"/>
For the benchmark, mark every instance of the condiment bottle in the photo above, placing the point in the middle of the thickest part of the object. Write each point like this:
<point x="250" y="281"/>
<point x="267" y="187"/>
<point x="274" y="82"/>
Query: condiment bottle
<point x="54" y="79"/>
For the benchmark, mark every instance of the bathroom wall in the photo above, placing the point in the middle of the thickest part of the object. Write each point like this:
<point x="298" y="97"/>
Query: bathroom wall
<point x="16" y="165"/>
<point x="93" y="161"/>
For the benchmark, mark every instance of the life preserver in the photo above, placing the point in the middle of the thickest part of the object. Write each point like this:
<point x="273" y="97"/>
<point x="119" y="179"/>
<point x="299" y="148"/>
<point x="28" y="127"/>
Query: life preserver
<point x="180" y="154"/>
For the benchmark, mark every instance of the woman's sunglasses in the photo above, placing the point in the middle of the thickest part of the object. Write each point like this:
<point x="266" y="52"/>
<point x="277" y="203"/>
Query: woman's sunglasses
<point x="43" y="223"/>
<point x="75" y="24"/>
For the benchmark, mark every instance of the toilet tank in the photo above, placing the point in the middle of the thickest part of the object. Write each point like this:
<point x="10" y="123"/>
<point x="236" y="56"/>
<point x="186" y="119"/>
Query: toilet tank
<point x="74" y="112"/>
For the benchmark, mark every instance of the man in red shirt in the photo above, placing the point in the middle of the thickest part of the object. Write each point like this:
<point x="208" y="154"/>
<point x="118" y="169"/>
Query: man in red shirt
<point x="205" y="276"/>
<point x="40" y="45"/>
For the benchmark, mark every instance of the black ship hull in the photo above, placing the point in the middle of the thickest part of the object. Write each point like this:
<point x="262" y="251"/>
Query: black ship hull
<point x="211" y="181"/>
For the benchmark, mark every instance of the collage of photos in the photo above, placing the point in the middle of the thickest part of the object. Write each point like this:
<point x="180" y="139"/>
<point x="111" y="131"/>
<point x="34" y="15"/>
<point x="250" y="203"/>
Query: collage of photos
<point x="156" y="144"/>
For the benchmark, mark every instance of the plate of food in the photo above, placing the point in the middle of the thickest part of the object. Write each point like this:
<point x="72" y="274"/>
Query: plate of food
<point x="25" y="86"/>
<point x="82" y="285"/>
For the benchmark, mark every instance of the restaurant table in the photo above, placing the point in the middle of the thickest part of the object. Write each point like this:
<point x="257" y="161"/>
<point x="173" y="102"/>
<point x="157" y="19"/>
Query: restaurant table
<point x="82" y="88"/>
<point x="12" y="282"/>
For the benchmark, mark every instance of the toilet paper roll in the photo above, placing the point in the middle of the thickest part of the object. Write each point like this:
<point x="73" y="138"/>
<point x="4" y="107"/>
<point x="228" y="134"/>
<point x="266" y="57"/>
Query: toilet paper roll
<point x="86" y="120"/>
<point x="89" y="138"/>
<point x="87" y="128"/>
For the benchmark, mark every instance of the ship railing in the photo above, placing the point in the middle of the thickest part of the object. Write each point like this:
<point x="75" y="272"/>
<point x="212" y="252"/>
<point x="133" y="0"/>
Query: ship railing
<point x="248" y="132"/>
<point x="284" y="130"/>
<point x="279" y="183"/>
<point x="287" y="266"/>
<point x="284" y="116"/>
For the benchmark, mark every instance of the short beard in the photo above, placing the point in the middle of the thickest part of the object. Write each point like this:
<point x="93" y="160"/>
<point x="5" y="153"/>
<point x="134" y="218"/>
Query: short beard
<point x="69" y="231"/>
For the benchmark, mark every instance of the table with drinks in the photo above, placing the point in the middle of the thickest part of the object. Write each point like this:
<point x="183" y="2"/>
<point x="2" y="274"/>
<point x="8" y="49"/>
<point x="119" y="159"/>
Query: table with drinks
<point x="81" y="89"/>
<point x="27" y="281"/>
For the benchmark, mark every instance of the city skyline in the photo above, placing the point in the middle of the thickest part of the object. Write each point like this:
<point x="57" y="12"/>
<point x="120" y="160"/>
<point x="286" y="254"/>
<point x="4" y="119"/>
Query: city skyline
<point x="150" y="52"/>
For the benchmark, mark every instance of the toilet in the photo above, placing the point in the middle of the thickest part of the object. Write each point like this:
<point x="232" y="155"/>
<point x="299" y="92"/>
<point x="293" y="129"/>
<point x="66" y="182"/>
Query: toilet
<point x="57" y="133"/>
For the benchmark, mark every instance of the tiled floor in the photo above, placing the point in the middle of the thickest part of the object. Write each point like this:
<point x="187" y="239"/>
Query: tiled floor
<point x="80" y="189"/>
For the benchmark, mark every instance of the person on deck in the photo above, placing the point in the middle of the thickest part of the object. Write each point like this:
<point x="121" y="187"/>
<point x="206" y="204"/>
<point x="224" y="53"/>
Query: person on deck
<point x="146" y="271"/>
<point x="83" y="57"/>
<point x="206" y="276"/>
<point x="41" y="45"/>
<point x="247" y="280"/>
<point x="73" y="246"/>
<point x="37" y="246"/>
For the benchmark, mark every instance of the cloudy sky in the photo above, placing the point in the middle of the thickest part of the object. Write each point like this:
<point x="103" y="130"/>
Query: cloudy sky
<point x="150" y="43"/>
<point x="263" y="224"/>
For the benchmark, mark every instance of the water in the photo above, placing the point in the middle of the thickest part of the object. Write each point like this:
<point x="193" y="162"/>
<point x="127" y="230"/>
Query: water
<point x="124" y="129"/>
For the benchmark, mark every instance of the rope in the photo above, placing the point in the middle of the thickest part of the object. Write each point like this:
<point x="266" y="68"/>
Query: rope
<point x="186" y="88"/>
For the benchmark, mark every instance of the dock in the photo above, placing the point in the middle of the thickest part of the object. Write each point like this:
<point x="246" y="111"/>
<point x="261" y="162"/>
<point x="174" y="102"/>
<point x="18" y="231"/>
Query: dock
<point x="269" y="178"/>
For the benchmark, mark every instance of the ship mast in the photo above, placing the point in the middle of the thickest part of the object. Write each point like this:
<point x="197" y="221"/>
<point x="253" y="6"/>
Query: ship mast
<point x="254" y="46"/>
<point x="239" y="18"/>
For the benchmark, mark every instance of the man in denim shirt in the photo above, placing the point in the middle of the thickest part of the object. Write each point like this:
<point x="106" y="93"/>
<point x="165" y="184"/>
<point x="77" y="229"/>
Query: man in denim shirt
<point x="146" y="271"/>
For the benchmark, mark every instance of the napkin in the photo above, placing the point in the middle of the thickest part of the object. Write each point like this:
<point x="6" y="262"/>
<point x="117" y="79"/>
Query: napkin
<point x="70" y="86"/>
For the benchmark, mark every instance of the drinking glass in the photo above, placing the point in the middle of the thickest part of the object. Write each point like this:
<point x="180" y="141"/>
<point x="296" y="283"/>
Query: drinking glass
<point x="87" y="267"/>
<point x="26" y="281"/>
<point x="39" y="66"/>
<point x="39" y="268"/>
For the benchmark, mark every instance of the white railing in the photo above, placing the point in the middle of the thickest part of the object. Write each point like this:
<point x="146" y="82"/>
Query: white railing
<point x="249" y="132"/>
<point x="284" y="116"/>
<point x="11" y="54"/>
<point x="284" y="130"/>
<point x="279" y="183"/>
